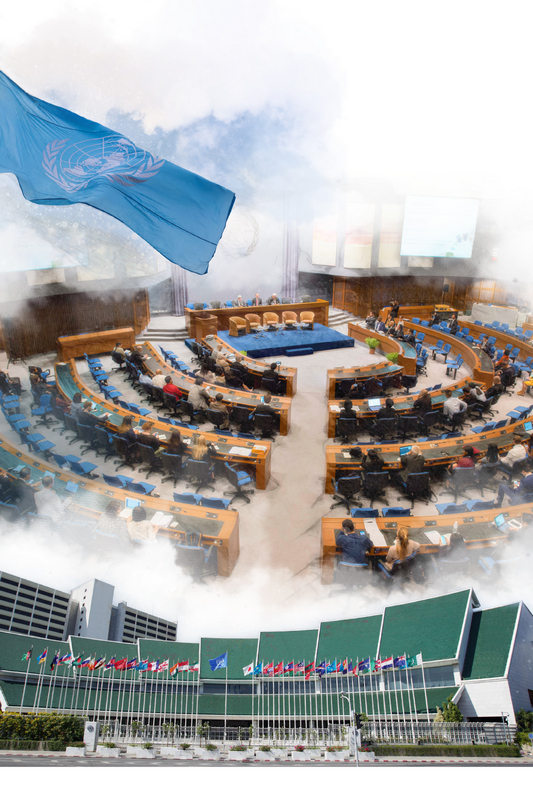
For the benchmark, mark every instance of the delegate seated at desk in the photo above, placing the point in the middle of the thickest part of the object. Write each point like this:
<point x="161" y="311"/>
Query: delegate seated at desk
<point x="257" y="301"/>
<point x="452" y="405"/>
<point x="516" y="492"/>
<point x="423" y="404"/>
<point x="516" y="453"/>
<point x="265" y="407"/>
<point x="273" y="300"/>
<point x="401" y="549"/>
<point x="413" y="461"/>
<point x="355" y="546"/>
<point x="199" y="396"/>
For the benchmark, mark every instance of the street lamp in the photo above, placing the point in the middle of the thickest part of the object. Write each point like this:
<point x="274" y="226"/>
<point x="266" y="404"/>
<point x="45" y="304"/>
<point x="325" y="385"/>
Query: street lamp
<point x="352" y="734"/>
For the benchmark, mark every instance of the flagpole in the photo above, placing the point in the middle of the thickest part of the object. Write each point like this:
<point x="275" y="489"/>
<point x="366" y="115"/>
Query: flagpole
<point x="226" y="698"/>
<point x="28" y="660"/>
<point x="425" y="690"/>
<point x="49" y="687"/>
<point x="78" y="674"/>
<point x="409" y="699"/>
<point x="39" y="687"/>
<point x="109" y="691"/>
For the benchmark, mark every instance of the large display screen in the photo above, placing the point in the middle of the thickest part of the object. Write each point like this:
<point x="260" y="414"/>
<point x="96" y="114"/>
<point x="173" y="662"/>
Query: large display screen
<point x="441" y="227"/>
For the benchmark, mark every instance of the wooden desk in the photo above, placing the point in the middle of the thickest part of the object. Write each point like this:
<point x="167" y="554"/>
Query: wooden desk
<point x="420" y="312"/>
<point x="94" y="343"/>
<point x="480" y="364"/>
<point x="437" y="452"/>
<point x="320" y="308"/>
<point x="69" y="382"/>
<point x="388" y="344"/>
<point x="231" y="397"/>
<point x="476" y="528"/>
<point x="220" y="528"/>
<point x="383" y="369"/>
<point x="502" y="339"/>
<point x="288" y="375"/>
<point x="402" y="403"/>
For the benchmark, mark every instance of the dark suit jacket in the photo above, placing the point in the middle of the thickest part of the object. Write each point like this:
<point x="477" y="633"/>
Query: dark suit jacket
<point x="258" y="303"/>
<point x="263" y="408"/>
<point x="273" y="301"/>
<point x="412" y="463"/>
<point x="422" y="405"/>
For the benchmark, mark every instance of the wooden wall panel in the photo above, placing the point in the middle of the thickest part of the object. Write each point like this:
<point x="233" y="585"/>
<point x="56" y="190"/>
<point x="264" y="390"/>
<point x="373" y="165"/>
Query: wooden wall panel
<point x="42" y="320"/>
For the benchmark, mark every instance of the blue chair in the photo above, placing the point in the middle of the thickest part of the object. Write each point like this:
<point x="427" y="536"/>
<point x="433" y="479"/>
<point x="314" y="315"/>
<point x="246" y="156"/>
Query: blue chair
<point x="239" y="479"/>
<point x="520" y="412"/>
<point x="141" y="487"/>
<point x="442" y="352"/>
<point x="83" y="468"/>
<point x="43" y="410"/>
<point x="398" y="568"/>
<point x="191" y="498"/>
<point x="416" y="321"/>
<point x="44" y="447"/>
<point x="364" y="513"/>
<point x="395" y="511"/>
<point x="454" y="366"/>
<point x="117" y="481"/>
<point x="11" y="513"/>
<point x="434" y="347"/>
<point x="480" y="505"/>
<point x="215" y="502"/>
<point x="451" y="508"/>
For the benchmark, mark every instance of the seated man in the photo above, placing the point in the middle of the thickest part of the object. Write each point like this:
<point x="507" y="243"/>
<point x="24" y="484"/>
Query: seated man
<point x="516" y="453"/>
<point x="48" y="501"/>
<point x="257" y="301"/>
<point x="145" y="379"/>
<point x="220" y="358"/>
<point x="496" y="389"/>
<point x="218" y="405"/>
<point x="371" y="320"/>
<point x="198" y="396"/>
<point x="273" y="300"/>
<point x="347" y="411"/>
<point x="388" y="410"/>
<point x="265" y="407"/>
<point x="137" y="358"/>
<point x="354" y="545"/>
<point x="171" y="388"/>
<point x="452" y="405"/>
<point x="238" y="365"/>
<point x="516" y="492"/>
<point x="239" y="302"/>
<point x="158" y="379"/>
<point x="413" y="461"/>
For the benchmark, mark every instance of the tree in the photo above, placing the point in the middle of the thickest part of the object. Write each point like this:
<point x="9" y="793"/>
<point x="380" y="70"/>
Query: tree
<point x="450" y="712"/>
<point x="524" y="720"/>
<point x="438" y="716"/>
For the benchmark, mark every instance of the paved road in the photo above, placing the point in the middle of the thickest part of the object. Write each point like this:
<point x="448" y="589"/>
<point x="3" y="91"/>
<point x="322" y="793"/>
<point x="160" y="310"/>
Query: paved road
<point x="62" y="761"/>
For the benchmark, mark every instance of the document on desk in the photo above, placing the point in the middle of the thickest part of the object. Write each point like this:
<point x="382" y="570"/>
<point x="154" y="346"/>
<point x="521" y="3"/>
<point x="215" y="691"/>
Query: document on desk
<point x="335" y="408"/>
<point x="240" y="451"/>
<point x="261" y="447"/>
<point x="441" y="539"/>
<point x="161" y="520"/>
<point x="373" y="532"/>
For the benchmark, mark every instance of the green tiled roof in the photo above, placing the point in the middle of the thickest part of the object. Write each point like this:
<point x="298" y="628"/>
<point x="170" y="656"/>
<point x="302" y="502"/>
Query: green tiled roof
<point x="432" y="627"/>
<point x="353" y="639"/>
<point x="14" y="645"/>
<point x="491" y="634"/>
<point x="287" y="646"/>
<point x="241" y="652"/>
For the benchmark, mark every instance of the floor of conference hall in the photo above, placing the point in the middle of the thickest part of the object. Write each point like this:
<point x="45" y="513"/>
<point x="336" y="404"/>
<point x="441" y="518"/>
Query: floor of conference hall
<point x="279" y="563"/>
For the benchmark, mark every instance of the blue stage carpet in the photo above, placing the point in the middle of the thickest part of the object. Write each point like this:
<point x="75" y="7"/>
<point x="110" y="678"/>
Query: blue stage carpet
<point x="277" y="344"/>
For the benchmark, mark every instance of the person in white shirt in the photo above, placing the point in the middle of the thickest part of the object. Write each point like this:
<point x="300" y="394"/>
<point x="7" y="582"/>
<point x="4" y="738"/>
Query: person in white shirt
<point x="146" y="379"/>
<point x="516" y="453"/>
<point x="158" y="379"/>
<point x="48" y="502"/>
<point x="452" y="405"/>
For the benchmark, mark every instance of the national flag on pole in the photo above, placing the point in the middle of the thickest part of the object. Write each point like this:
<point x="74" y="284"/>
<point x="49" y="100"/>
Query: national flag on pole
<point x="289" y="667"/>
<point x="121" y="664"/>
<point x="110" y="663"/>
<point x="385" y="663"/>
<point x="60" y="158"/>
<point x="142" y="666"/>
<point x="299" y="666"/>
<point x="92" y="663"/>
<point x="400" y="662"/>
<point x="42" y="658"/>
<point x="220" y="662"/>
<point x="195" y="667"/>
<point x="331" y="667"/>
<point x="350" y="667"/>
<point x="100" y="663"/>
<point x="172" y="669"/>
<point x="153" y="666"/>
<point x="258" y="670"/>
<point x="249" y="669"/>
<point x="163" y="667"/>
<point x="131" y="664"/>
<point x="85" y="662"/>
<point x="183" y="666"/>
<point x="268" y="669"/>
<point x="278" y="669"/>
<point x="66" y="659"/>
<point x="364" y="666"/>
<point x="309" y="669"/>
<point x="416" y="661"/>
<point x="77" y="661"/>
<point x="321" y="669"/>
<point x="27" y="656"/>
<point x="54" y="662"/>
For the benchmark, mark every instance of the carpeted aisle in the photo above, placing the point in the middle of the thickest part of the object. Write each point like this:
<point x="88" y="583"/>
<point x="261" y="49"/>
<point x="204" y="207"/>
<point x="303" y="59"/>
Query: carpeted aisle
<point x="281" y="343"/>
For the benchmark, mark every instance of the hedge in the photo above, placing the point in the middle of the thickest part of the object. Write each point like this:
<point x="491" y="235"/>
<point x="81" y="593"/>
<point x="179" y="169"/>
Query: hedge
<point x="452" y="750"/>
<point x="41" y="727"/>
<point x="28" y="744"/>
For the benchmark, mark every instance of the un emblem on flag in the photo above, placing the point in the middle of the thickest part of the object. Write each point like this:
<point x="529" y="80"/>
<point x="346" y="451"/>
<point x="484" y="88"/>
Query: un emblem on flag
<point x="73" y="166"/>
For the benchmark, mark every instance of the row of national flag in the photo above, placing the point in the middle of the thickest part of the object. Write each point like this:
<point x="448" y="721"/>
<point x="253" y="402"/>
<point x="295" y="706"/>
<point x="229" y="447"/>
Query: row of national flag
<point x="343" y="667"/>
<point x="122" y="664"/>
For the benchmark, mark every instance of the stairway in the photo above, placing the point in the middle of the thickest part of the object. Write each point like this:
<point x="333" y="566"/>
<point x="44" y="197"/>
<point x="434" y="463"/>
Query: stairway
<point x="164" y="329"/>
<point x="338" y="318"/>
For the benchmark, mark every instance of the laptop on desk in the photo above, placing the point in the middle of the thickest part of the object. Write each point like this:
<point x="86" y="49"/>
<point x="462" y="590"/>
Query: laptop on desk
<point x="374" y="403"/>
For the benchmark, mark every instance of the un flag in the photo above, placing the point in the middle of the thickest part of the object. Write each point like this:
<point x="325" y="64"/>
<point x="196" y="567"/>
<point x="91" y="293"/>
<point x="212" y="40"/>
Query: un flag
<point x="60" y="158"/>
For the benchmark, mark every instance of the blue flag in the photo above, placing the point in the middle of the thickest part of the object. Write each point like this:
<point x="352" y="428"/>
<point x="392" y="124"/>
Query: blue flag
<point x="220" y="662"/>
<point x="60" y="158"/>
<point x="258" y="670"/>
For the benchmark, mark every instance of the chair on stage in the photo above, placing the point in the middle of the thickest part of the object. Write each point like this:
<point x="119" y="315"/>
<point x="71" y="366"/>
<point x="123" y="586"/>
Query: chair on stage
<point x="271" y="321"/>
<point x="307" y="318"/>
<point x="237" y="326"/>
<point x="253" y="321"/>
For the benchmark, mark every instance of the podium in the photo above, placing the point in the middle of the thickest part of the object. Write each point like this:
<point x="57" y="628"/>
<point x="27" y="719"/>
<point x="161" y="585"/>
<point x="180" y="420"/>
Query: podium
<point x="205" y="326"/>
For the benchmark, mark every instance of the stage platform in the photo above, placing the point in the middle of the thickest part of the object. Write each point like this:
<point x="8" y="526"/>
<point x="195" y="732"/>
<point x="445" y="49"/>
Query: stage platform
<point x="266" y="345"/>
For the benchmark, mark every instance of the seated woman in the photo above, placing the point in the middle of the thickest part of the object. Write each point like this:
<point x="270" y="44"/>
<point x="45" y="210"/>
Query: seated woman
<point x="397" y="331"/>
<point x="140" y="528"/>
<point x="10" y="385"/>
<point x="202" y="451"/>
<point x="146" y="436"/>
<point x="401" y="549"/>
<point x="125" y="430"/>
<point x="372" y="462"/>
<point x="175" y="446"/>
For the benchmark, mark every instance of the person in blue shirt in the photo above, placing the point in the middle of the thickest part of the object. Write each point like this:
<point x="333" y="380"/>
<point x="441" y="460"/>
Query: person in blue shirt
<point x="516" y="492"/>
<point x="354" y="545"/>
